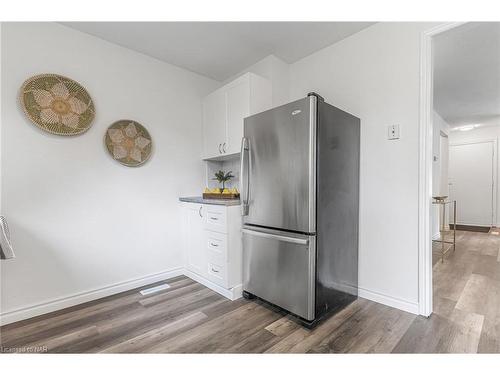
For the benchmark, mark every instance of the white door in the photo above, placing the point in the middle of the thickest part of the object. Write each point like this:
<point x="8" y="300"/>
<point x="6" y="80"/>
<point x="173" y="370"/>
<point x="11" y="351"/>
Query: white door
<point x="214" y="123"/>
<point x="471" y="182"/>
<point x="195" y="238"/>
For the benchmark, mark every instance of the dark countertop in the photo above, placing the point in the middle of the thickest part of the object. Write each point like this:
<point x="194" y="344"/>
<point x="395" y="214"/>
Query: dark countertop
<point x="219" y="202"/>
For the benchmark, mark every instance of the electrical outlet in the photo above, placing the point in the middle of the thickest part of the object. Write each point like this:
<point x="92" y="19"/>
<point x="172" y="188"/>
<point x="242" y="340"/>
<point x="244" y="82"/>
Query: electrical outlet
<point x="393" y="132"/>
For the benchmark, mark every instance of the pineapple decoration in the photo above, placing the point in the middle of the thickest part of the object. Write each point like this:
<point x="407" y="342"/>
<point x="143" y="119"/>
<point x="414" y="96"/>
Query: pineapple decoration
<point x="222" y="177"/>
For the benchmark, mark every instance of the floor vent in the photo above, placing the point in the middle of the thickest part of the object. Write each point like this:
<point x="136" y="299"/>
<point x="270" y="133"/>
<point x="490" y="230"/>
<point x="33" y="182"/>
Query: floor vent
<point x="154" y="289"/>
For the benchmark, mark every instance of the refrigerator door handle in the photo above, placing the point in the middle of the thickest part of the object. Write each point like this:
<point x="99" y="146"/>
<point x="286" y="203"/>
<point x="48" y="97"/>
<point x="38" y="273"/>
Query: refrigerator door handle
<point x="299" y="241"/>
<point x="313" y="114"/>
<point x="245" y="175"/>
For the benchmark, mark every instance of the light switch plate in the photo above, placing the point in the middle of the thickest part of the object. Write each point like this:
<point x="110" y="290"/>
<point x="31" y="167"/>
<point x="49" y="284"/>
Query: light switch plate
<point x="393" y="132"/>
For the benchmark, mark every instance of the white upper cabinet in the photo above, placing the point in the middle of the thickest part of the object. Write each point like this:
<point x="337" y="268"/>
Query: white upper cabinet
<point x="225" y="109"/>
<point x="237" y="108"/>
<point x="214" y="118"/>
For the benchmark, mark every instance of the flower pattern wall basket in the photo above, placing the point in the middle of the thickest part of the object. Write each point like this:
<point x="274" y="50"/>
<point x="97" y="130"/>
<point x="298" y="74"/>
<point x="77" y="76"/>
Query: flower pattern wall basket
<point x="128" y="142"/>
<point x="57" y="104"/>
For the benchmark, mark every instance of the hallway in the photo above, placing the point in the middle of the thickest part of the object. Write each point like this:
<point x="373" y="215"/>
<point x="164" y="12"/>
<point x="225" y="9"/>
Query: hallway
<point x="467" y="292"/>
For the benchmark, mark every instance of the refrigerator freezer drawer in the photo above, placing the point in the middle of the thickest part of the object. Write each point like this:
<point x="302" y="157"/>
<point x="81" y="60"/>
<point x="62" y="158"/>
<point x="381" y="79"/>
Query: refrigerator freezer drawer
<point x="279" y="267"/>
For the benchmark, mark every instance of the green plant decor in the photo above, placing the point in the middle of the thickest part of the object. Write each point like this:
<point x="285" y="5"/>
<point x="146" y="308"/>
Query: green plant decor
<point x="222" y="178"/>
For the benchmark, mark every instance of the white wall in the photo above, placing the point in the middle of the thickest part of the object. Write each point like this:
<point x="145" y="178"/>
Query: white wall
<point x="374" y="75"/>
<point x="80" y="221"/>
<point x="439" y="168"/>
<point x="483" y="134"/>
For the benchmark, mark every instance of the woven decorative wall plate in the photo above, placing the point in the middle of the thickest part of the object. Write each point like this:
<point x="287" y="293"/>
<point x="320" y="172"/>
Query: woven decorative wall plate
<point x="128" y="142"/>
<point x="57" y="104"/>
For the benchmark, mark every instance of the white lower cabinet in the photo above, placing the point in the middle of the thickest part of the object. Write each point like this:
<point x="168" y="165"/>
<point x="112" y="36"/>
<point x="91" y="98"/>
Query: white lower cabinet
<point x="212" y="246"/>
<point x="194" y="241"/>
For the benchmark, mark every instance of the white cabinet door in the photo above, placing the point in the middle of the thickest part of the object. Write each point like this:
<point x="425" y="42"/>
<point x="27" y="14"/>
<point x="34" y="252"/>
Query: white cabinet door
<point x="238" y="107"/>
<point x="194" y="233"/>
<point x="224" y="112"/>
<point x="214" y="123"/>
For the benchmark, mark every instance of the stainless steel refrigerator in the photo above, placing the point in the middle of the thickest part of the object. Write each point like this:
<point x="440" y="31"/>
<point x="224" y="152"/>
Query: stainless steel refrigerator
<point x="300" y="191"/>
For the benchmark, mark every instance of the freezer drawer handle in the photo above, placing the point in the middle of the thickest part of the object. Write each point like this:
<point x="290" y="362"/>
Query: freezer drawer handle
<point x="299" y="241"/>
<point x="213" y="270"/>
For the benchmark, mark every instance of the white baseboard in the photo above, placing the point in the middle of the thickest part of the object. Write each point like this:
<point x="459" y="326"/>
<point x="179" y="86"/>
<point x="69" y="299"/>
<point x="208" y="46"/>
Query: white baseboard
<point x="76" y="299"/>
<point x="232" y="294"/>
<point x="397" y="303"/>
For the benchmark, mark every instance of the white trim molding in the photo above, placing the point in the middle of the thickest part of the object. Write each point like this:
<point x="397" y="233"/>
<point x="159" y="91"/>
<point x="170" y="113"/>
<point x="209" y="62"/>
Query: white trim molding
<point x="91" y="295"/>
<point x="408" y="306"/>
<point x="425" y="168"/>
<point x="76" y="299"/>
<point x="233" y="293"/>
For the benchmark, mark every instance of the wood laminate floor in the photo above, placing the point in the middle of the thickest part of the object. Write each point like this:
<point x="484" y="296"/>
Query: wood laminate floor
<point x="189" y="318"/>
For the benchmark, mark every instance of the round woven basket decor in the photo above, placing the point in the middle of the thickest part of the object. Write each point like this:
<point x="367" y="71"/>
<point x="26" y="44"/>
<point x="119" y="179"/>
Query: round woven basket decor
<point x="57" y="104"/>
<point x="128" y="142"/>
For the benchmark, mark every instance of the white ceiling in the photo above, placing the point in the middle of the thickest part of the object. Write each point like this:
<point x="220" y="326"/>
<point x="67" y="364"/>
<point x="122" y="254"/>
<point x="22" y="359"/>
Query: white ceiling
<point x="220" y="50"/>
<point x="467" y="74"/>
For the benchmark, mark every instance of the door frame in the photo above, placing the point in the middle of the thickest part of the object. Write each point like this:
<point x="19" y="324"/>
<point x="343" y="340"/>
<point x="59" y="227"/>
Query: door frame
<point x="494" y="176"/>
<point x="425" y="167"/>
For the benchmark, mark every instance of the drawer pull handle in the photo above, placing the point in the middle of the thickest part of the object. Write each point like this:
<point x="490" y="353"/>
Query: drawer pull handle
<point x="213" y="218"/>
<point x="214" y="244"/>
<point x="214" y="270"/>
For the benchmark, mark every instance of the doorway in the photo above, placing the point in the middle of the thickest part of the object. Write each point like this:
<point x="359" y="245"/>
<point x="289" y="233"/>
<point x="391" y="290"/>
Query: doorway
<point x="465" y="94"/>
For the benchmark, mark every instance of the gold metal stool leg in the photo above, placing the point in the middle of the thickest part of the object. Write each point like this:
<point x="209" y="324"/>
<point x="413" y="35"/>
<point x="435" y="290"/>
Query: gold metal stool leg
<point x="454" y="225"/>
<point x="443" y="233"/>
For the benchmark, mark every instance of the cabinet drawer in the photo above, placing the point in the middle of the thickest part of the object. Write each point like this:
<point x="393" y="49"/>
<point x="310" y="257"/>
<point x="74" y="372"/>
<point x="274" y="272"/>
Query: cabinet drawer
<point x="216" y="247"/>
<point x="215" y="218"/>
<point x="217" y="274"/>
